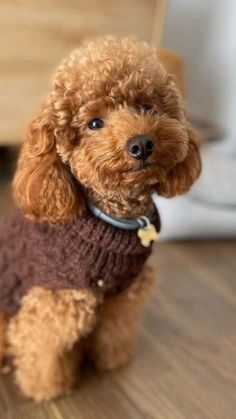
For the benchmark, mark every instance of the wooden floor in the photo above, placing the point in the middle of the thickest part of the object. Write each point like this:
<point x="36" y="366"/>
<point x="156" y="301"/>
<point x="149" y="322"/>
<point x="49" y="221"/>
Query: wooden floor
<point x="185" y="364"/>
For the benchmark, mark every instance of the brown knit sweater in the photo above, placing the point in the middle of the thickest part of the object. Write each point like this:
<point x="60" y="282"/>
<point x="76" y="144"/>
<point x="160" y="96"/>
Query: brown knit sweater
<point x="73" y="255"/>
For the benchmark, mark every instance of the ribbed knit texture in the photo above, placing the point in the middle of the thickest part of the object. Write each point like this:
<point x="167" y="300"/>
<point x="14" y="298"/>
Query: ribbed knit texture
<point x="72" y="255"/>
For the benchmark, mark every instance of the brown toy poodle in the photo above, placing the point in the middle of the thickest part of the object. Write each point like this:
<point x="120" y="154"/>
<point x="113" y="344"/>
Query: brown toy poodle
<point x="112" y="132"/>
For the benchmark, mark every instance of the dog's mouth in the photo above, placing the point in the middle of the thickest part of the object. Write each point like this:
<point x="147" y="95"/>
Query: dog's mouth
<point x="146" y="173"/>
<point x="142" y="167"/>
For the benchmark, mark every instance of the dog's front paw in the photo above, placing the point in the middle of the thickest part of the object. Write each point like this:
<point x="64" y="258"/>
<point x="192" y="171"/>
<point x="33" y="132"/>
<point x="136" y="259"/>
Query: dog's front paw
<point x="47" y="378"/>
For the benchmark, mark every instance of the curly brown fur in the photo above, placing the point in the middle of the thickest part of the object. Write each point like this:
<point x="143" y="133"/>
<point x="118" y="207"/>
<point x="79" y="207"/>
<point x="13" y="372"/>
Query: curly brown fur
<point x="63" y="162"/>
<point x="111" y="343"/>
<point x="42" y="337"/>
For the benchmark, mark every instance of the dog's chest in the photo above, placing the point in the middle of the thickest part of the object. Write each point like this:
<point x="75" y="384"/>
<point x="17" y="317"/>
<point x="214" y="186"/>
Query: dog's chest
<point x="85" y="254"/>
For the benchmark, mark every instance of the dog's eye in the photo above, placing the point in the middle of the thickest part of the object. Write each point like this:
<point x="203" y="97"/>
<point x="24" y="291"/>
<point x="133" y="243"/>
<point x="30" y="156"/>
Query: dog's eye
<point x="145" y="107"/>
<point x="96" y="123"/>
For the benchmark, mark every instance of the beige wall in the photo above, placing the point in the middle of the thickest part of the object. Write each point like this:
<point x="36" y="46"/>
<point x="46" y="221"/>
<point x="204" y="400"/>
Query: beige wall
<point x="36" y="34"/>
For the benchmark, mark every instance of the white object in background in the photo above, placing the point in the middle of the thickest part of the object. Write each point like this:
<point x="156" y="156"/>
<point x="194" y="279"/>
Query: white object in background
<point x="217" y="183"/>
<point x="184" y="218"/>
<point x="209" y="210"/>
<point x="203" y="32"/>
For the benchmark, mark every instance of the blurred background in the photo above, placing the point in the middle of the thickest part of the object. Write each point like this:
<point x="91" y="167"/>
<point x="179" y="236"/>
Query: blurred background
<point x="199" y="48"/>
<point x="203" y="33"/>
<point x="185" y="367"/>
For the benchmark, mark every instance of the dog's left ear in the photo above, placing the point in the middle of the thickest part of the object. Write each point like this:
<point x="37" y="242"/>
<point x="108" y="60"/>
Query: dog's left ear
<point x="181" y="177"/>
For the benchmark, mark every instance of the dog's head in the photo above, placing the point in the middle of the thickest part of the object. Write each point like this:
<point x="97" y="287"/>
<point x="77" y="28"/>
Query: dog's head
<point x="114" y="123"/>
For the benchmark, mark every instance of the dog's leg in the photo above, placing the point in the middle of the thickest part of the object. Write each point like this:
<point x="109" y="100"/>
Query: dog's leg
<point x="111" y="344"/>
<point x="42" y="339"/>
<point x="3" y="336"/>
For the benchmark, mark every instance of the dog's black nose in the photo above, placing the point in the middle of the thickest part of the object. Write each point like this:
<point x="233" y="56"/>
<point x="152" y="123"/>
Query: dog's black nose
<point x="140" y="147"/>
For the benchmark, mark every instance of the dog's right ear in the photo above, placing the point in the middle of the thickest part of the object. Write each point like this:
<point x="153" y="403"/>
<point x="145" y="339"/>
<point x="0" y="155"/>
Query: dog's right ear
<point x="43" y="185"/>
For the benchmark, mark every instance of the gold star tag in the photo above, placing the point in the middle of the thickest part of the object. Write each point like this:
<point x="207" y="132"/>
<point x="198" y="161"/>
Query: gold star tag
<point x="147" y="235"/>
